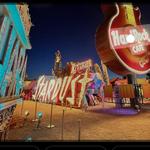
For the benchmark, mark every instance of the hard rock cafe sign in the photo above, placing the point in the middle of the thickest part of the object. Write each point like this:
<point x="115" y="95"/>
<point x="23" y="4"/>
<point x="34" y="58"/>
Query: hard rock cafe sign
<point x="122" y="42"/>
<point x="132" y="47"/>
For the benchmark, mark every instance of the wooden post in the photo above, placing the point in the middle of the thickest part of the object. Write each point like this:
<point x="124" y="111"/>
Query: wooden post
<point x="79" y="129"/>
<point x="62" y="127"/>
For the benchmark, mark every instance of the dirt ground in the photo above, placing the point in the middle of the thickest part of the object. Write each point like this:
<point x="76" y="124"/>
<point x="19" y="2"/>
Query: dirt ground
<point x="97" y="123"/>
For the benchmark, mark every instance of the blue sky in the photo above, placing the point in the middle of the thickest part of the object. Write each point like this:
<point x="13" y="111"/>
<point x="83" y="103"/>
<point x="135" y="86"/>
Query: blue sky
<point x="68" y="27"/>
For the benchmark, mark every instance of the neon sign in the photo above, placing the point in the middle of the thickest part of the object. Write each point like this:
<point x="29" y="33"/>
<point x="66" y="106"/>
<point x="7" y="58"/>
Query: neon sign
<point x="133" y="36"/>
<point x="131" y="45"/>
<point x="79" y="67"/>
<point x="69" y="89"/>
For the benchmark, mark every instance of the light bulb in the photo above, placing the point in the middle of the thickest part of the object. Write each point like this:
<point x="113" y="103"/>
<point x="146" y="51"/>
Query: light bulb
<point x="40" y="115"/>
<point x="130" y="38"/>
<point x="27" y="113"/>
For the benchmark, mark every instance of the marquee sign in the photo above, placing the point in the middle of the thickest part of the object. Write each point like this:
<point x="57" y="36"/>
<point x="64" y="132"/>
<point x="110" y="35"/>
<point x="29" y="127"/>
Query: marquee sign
<point x="80" y="66"/>
<point x="13" y="60"/>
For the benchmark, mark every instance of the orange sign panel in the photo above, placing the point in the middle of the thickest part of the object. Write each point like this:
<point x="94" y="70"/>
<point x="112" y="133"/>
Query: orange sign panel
<point x="146" y="90"/>
<point x="108" y="91"/>
<point x="126" y="91"/>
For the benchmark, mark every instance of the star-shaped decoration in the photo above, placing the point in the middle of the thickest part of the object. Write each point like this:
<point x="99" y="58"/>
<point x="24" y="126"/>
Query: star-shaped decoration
<point x="84" y="82"/>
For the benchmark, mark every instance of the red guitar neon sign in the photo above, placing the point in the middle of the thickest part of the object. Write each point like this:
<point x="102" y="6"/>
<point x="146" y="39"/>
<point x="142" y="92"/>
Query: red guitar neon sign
<point x="121" y="43"/>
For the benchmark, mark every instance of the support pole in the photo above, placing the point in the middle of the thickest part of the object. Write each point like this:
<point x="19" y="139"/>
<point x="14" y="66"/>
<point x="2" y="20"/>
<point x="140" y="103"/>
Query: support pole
<point x="132" y="80"/>
<point x="35" y="111"/>
<point x="51" y="115"/>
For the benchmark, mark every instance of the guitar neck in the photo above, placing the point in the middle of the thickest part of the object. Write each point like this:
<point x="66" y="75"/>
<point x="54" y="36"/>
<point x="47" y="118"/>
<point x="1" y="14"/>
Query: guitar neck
<point x="129" y="14"/>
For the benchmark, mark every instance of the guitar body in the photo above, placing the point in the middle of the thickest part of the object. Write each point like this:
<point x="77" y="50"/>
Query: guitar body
<point x="120" y="61"/>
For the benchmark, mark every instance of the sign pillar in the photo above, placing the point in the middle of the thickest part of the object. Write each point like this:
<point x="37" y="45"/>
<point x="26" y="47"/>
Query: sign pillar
<point x="132" y="80"/>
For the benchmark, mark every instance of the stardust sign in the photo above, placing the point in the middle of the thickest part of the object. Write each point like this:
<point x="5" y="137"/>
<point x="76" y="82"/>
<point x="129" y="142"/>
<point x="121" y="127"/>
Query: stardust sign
<point x="132" y="47"/>
<point x="69" y="90"/>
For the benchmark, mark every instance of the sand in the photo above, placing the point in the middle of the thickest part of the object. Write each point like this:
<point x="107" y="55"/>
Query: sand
<point x="96" y="124"/>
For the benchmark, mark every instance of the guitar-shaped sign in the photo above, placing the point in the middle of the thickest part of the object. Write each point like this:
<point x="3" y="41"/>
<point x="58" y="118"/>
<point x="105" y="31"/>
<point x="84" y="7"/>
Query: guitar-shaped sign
<point x="122" y="43"/>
